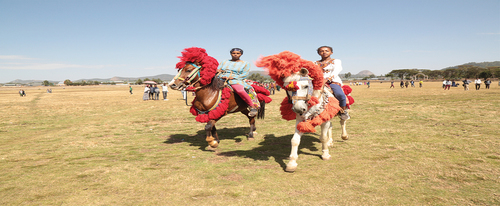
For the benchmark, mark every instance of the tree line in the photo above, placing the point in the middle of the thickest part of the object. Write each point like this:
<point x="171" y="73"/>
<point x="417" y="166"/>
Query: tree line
<point x="459" y="72"/>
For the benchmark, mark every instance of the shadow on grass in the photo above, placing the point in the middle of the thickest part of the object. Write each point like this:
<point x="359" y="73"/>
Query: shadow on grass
<point x="272" y="146"/>
<point x="278" y="148"/>
<point x="198" y="139"/>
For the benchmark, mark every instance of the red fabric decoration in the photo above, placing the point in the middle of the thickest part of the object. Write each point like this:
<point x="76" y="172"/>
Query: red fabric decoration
<point x="264" y="98"/>
<point x="351" y="101"/>
<point x="331" y="109"/>
<point x="313" y="101"/>
<point x="218" y="112"/>
<point x="347" y="89"/>
<point x="287" y="63"/>
<point x="260" y="89"/>
<point x="286" y="110"/>
<point x="199" y="55"/>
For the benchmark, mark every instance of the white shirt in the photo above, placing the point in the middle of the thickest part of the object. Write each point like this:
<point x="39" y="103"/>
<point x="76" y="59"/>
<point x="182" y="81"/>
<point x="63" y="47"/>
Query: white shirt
<point x="146" y="89"/>
<point x="333" y="70"/>
<point x="477" y="81"/>
<point x="164" y="88"/>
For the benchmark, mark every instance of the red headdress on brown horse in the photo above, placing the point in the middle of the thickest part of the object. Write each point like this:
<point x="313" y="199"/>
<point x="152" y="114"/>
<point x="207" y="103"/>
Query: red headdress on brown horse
<point x="199" y="57"/>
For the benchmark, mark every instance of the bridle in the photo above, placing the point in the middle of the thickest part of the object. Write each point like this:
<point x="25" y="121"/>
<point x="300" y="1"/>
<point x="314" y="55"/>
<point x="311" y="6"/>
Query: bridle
<point x="191" y="76"/>
<point x="292" y="87"/>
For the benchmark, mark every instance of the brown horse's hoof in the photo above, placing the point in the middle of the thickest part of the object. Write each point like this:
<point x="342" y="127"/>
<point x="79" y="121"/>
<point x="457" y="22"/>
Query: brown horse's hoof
<point x="210" y="148"/>
<point x="345" y="137"/>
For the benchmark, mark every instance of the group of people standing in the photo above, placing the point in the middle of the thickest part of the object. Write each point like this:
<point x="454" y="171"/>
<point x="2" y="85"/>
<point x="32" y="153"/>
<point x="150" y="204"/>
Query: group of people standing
<point x="153" y="92"/>
<point x="404" y="84"/>
<point x="447" y="84"/>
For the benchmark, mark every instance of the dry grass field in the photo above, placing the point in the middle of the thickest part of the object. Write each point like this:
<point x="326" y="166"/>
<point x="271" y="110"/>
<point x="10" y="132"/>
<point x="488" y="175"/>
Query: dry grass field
<point x="99" y="145"/>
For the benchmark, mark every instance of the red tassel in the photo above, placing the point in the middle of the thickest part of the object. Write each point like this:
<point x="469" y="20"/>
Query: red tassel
<point x="305" y="127"/>
<point x="286" y="110"/>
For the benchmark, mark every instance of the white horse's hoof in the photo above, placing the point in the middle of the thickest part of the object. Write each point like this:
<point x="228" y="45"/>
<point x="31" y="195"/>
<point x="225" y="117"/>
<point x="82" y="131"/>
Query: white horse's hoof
<point x="346" y="137"/>
<point x="291" y="167"/>
<point x="326" y="157"/>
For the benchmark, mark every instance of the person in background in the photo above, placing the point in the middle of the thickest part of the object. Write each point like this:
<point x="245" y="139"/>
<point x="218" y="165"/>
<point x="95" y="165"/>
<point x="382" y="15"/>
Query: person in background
<point x="466" y="84"/>
<point x="164" y="89"/>
<point x="402" y="84"/>
<point x="412" y="83"/>
<point x="392" y="85"/>
<point x="487" y="83"/>
<point x="407" y="83"/>
<point x="478" y="83"/>
<point x="147" y="90"/>
<point x="157" y="92"/>
<point x="421" y="83"/>
<point x="130" y="89"/>
<point x="448" y="85"/>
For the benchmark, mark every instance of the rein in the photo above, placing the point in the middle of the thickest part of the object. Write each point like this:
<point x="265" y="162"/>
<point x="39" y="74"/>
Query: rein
<point x="292" y="86"/>
<point x="195" y="73"/>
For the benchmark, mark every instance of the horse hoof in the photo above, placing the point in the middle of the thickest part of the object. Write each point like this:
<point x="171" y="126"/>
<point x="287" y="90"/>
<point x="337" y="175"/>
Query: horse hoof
<point x="214" y="144"/>
<point x="210" y="148"/>
<point x="326" y="157"/>
<point x="345" y="137"/>
<point x="291" y="167"/>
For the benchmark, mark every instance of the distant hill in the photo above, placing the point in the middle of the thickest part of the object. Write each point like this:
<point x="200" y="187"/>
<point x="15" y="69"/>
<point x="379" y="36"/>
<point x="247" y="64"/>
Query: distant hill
<point x="481" y="64"/>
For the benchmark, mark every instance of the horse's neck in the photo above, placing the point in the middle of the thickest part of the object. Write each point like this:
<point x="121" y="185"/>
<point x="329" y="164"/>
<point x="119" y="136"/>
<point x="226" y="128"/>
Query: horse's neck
<point x="206" y="97"/>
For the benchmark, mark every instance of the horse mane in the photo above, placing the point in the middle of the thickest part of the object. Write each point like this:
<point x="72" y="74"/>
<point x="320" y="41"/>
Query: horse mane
<point x="217" y="83"/>
<point x="287" y="63"/>
<point x="199" y="55"/>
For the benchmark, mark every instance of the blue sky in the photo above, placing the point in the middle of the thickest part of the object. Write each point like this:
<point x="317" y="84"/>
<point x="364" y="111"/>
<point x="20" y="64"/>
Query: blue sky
<point x="69" y="39"/>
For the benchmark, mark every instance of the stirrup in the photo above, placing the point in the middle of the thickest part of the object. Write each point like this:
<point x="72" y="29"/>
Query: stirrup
<point x="345" y="115"/>
<point x="253" y="112"/>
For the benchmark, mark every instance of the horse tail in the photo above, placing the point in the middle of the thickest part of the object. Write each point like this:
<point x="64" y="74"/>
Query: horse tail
<point x="262" y="110"/>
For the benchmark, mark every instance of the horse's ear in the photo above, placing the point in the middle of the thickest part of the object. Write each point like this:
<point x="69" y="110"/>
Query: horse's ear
<point x="303" y="72"/>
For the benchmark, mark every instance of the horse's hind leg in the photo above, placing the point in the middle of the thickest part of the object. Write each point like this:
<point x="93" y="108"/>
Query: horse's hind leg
<point x="325" y="139"/>
<point x="344" y="136"/>
<point x="251" y="120"/>
<point x="210" y="130"/>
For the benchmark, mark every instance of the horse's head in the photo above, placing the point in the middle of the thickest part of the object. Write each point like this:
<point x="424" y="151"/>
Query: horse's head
<point x="189" y="75"/>
<point x="299" y="89"/>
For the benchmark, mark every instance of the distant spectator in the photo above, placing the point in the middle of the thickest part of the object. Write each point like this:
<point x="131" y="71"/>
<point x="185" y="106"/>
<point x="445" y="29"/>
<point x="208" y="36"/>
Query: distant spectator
<point x="407" y="83"/>
<point x="487" y="83"/>
<point x="444" y="84"/>
<point x="147" y="90"/>
<point x="465" y="83"/>
<point x="157" y="93"/>
<point x="448" y="85"/>
<point x="368" y="83"/>
<point x="421" y="83"/>
<point x="130" y="89"/>
<point x="478" y="83"/>
<point x="164" y="89"/>
<point x="412" y="83"/>
<point x="402" y="84"/>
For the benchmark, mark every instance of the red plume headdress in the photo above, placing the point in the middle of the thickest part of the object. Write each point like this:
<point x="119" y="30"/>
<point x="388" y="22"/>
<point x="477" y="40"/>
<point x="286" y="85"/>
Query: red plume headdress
<point x="199" y="55"/>
<point x="286" y="63"/>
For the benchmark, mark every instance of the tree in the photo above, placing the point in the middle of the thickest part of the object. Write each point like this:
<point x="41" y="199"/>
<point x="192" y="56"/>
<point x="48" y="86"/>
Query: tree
<point x="67" y="82"/>
<point x="257" y="77"/>
<point x="139" y="81"/>
<point x="46" y="83"/>
<point x="347" y="75"/>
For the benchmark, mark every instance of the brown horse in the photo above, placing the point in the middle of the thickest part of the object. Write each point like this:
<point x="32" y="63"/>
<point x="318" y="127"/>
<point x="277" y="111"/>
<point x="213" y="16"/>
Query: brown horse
<point x="208" y="97"/>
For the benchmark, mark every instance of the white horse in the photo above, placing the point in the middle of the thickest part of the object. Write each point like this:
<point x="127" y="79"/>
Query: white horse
<point x="299" y="98"/>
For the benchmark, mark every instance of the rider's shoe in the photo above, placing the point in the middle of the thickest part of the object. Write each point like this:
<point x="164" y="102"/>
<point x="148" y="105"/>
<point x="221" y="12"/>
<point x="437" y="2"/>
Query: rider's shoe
<point x="253" y="112"/>
<point x="345" y="115"/>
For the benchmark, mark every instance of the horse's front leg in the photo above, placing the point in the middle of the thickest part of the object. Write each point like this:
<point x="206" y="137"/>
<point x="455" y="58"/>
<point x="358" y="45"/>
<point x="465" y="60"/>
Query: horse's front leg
<point x="292" y="164"/>
<point x="251" y="120"/>
<point x="211" y="131"/>
<point x="325" y="139"/>
<point x="344" y="136"/>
